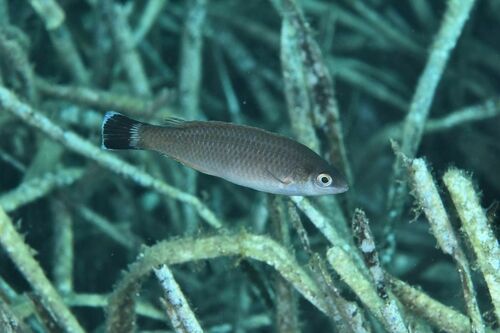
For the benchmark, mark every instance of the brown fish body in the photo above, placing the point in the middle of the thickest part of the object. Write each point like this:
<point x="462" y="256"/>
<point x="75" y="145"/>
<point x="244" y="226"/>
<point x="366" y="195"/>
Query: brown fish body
<point x="244" y="155"/>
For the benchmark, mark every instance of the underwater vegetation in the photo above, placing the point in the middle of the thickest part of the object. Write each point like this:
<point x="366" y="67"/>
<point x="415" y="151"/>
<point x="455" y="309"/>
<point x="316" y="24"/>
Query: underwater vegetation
<point x="403" y="97"/>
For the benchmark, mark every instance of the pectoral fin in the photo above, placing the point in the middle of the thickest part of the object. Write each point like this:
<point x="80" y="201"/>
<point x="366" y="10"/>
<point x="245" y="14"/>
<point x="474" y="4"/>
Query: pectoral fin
<point x="285" y="180"/>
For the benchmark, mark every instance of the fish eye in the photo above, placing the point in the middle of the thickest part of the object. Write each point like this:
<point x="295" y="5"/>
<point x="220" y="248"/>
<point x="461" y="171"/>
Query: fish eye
<point x="324" y="179"/>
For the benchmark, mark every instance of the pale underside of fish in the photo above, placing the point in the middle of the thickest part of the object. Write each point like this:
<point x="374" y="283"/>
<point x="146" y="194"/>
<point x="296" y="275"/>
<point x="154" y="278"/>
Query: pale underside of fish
<point x="243" y="155"/>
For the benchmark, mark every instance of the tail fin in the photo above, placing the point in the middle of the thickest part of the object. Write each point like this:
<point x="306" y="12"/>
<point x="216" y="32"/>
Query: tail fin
<point x="120" y="132"/>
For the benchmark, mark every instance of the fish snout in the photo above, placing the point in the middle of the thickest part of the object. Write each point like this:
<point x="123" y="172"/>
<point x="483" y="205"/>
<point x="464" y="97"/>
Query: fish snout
<point x="340" y="185"/>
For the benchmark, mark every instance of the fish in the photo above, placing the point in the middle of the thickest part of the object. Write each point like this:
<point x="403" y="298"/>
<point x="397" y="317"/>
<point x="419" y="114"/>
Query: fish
<point x="244" y="155"/>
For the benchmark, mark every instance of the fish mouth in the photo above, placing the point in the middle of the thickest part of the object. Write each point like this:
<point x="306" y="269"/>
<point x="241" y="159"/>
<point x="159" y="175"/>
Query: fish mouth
<point x="341" y="188"/>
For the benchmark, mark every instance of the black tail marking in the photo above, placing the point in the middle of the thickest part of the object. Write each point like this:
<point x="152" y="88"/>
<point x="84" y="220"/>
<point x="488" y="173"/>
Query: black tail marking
<point x="120" y="132"/>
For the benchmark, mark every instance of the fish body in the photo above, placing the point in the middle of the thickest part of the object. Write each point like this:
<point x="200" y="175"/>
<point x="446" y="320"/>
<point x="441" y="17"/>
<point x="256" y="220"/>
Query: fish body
<point x="243" y="155"/>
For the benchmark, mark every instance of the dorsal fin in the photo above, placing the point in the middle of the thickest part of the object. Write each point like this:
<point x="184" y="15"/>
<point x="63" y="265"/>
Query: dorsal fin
<point x="173" y="121"/>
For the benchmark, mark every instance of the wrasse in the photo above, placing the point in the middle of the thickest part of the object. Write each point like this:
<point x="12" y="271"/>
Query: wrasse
<point x="243" y="155"/>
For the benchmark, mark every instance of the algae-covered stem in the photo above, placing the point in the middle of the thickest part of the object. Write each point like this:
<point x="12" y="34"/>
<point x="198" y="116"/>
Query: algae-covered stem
<point x="324" y="109"/>
<point x="379" y="22"/>
<point x="487" y="109"/>
<point x="484" y="110"/>
<point x="191" y="59"/>
<point x="232" y="102"/>
<point x="54" y="18"/>
<point x="393" y="318"/>
<point x="477" y="230"/>
<point x="367" y="78"/>
<point x="342" y="262"/>
<point x="453" y="22"/>
<point x="21" y="255"/>
<point x="347" y="316"/>
<point x="36" y="188"/>
<point x="190" y="79"/>
<point x="123" y="40"/>
<point x="16" y="56"/>
<point x="181" y="316"/>
<point x="122" y="237"/>
<point x="9" y="321"/>
<point x="254" y="73"/>
<point x="101" y="99"/>
<point x="296" y="88"/>
<point x="429" y="201"/>
<point x="322" y="223"/>
<point x="63" y="255"/>
<point x="149" y="16"/>
<point x="179" y="251"/>
<point x="439" y="315"/>
<point x="286" y="305"/>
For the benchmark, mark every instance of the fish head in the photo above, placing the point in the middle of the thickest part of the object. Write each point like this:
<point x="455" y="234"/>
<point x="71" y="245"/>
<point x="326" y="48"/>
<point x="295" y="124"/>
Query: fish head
<point x="324" y="179"/>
